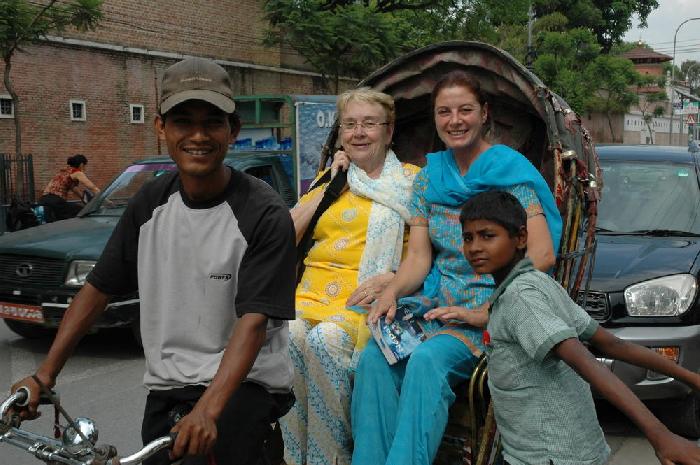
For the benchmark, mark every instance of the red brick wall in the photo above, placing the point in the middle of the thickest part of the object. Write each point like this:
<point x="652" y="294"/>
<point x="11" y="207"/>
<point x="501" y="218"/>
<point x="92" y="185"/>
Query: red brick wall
<point x="652" y="69"/>
<point x="46" y="76"/>
<point x="223" y="29"/>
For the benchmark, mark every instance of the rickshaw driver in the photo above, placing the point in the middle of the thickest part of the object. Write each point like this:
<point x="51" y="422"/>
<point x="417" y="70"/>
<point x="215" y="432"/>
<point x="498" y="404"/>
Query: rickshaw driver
<point x="211" y="251"/>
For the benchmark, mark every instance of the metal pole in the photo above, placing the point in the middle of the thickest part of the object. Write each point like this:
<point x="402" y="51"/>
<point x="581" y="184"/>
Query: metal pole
<point x="673" y="75"/>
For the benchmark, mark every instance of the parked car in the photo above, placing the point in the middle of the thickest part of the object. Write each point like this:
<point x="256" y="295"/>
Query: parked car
<point x="42" y="268"/>
<point x="644" y="285"/>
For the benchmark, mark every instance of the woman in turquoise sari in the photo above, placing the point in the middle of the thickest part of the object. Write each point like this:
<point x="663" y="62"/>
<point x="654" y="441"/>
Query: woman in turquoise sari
<point x="399" y="412"/>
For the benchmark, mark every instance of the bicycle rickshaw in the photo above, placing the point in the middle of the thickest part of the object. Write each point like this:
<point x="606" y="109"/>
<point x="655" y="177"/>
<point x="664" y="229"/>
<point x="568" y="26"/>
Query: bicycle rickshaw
<point x="527" y="116"/>
<point x="530" y="118"/>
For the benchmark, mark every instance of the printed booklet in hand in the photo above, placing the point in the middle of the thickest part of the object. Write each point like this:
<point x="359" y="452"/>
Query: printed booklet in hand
<point x="400" y="337"/>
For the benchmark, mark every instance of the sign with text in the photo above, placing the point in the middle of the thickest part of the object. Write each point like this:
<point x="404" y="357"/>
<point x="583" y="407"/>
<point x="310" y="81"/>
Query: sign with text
<point x="314" y="123"/>
<point x="21" y="312"/>
<point x="689" y="107"/>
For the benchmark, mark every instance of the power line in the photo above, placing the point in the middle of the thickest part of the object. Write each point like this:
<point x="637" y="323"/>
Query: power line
<point x="671" y="42"/>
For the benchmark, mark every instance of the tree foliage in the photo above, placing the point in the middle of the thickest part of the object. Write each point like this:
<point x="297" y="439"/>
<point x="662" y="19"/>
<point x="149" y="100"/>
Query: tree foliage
<point x="563" y="58"/>
<point x="690" y="70"/>
<point x="381" y="6"/>
<point x="24" y="21"/>
<point x="608" y="20"/>
<point x="352" y="38"/>
<point x="578" y="45"/>
<point x="572" y="39"/>
<point x="345" y="40"/>
<point x="611" y="81"/>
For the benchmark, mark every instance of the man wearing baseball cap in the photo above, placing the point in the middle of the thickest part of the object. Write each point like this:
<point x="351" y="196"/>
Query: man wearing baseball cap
<point x="211" y="252"/>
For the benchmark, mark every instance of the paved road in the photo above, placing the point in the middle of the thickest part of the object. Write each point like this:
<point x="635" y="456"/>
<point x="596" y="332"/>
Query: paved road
<point x="103" y="382"/>
<point x="628" y="445"/>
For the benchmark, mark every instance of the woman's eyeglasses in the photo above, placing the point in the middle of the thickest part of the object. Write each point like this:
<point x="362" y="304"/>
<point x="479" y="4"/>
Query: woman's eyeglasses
<point x="350" y="126"/>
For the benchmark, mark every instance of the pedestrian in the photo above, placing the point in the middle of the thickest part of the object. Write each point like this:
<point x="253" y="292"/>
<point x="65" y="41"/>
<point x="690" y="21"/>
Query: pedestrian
<point x="68" y="178"/>
<point x="693" y="146"/>
<point x="211" y="252"/>
<point x="539" y="371"/>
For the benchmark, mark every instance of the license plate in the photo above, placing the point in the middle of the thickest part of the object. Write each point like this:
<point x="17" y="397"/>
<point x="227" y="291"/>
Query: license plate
<point x="31" y="313"/>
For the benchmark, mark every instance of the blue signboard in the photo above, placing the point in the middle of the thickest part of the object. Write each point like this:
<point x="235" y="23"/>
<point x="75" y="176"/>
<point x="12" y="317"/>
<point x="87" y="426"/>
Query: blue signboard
<point x="314" y="123"/>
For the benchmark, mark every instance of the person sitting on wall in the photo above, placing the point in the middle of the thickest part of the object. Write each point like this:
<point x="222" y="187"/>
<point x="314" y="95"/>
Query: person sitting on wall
<point x="67" y="179"/>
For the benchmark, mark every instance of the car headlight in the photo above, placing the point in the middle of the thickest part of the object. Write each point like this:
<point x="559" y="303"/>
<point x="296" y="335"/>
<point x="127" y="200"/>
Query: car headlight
<point x="77" y="271"/>
<point x="667" y="296"/>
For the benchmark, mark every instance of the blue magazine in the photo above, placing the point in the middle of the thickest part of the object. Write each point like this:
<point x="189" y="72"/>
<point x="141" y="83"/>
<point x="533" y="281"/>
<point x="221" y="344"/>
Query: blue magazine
<point x="400" y="337"/>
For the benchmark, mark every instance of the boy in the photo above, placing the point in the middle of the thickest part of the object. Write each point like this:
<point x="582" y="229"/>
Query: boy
<point x="211" y="252"/>
<point x="543" y="409"/>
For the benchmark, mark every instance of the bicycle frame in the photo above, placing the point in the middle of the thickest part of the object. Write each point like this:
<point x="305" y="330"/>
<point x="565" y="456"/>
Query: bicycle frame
<point x="53" y="451"/>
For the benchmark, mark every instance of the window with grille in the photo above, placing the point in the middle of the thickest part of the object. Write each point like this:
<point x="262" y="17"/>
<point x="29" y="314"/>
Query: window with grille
<point x="77" y="110"/>
<point x="136" y="113"/>
<point x="7" y="107"/>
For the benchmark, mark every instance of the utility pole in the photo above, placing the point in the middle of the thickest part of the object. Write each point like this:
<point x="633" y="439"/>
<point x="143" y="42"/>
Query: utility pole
<point x="673" y="75"/>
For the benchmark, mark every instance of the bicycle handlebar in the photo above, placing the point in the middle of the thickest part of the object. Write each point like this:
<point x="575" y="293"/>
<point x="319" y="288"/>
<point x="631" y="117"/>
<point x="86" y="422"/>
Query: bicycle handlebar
<point x="147" y="451"/>
<point x="52" y="451"/>
<point x="19" y="398"/>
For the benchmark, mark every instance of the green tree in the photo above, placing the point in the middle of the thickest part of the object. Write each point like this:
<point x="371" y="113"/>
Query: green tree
<point x="607" y="19"/>
<point x="345" y="40"/>
<point x="650" y="99"/>
<point x="348" y="37"/>
<point x="561" y="62"/>
<point x="24" y="21"/>
<point x="612" y="81"/>
<point x="459" y="20"/>
<point x="382" y="6"/>
<point x="690" y="70"/>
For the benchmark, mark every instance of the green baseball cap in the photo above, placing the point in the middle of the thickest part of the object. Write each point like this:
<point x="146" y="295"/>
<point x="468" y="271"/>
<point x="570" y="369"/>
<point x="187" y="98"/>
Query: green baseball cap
<point x="196" y="78"/>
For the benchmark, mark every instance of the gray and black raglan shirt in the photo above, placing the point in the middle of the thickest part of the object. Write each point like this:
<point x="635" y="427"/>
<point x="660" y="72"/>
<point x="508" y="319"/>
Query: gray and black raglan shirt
<point x="199" y="267"/>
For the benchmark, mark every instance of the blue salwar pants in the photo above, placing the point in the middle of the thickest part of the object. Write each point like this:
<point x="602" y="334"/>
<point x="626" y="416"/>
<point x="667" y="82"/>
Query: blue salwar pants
<point x="399" y="413"/>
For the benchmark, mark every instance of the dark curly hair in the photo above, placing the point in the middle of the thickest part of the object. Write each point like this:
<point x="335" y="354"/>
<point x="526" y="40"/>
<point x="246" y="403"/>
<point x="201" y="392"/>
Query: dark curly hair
<point x="76" y="160"/>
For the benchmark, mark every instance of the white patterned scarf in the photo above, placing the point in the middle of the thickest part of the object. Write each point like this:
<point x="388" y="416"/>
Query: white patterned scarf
<point x="391" y="196"/>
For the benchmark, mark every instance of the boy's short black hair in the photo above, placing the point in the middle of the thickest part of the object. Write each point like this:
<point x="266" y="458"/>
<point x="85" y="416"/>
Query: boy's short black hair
<point x="497" y="206"/>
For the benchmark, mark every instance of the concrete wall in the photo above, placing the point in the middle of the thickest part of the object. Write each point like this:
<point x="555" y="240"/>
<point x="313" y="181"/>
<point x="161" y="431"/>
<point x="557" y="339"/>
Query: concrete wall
<point x="599" y="125"/>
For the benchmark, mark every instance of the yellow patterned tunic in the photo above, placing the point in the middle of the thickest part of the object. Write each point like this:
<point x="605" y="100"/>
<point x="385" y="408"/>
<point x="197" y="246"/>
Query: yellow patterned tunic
<point x="332" y="264"/>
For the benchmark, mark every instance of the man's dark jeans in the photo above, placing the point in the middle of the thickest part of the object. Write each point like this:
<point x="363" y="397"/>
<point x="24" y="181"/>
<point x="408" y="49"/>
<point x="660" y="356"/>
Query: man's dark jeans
<point x="242" y="428"/>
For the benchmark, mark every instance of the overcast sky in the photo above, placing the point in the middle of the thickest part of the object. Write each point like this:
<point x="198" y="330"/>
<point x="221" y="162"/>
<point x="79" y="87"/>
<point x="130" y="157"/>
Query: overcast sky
<point x="662" y="24"/>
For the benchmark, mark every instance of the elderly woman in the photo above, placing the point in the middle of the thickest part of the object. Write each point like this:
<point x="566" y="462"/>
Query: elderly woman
<point x="358" y="243"/>
<point x="399" y="412"/>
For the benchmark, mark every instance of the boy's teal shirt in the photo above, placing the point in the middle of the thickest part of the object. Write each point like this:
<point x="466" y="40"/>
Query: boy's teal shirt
<point x="544" y="409"/>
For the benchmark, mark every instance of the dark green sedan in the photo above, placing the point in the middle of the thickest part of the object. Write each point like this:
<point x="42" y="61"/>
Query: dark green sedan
<point x="42" y="268"/>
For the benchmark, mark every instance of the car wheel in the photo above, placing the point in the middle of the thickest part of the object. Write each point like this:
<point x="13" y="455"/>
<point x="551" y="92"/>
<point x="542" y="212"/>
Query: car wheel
<point x="29" y="330"/>
<point x="682" y="416"/>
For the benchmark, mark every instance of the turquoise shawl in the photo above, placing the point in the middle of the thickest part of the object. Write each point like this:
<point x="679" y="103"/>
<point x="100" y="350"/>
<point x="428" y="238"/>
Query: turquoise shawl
<point x="498" y="167"/>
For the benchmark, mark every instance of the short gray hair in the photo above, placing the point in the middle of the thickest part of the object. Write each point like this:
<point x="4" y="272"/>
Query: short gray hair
<point x="368" y="95"/>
